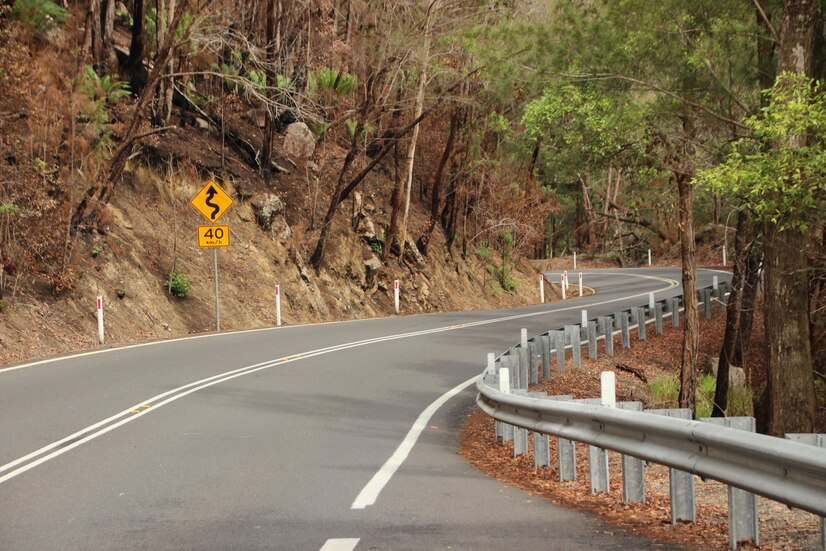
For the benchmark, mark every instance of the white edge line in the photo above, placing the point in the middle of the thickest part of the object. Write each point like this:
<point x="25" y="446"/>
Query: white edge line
<point x="340" y="544"/>
<point x="371" y="491"/>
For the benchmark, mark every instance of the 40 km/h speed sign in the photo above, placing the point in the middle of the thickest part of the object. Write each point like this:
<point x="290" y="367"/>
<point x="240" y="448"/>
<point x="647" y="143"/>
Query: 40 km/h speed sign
<point x="213" y="236"/>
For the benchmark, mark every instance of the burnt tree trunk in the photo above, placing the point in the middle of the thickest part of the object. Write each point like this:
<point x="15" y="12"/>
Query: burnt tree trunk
<point x="134" y="64"/>
<point x="269" y="125"/>
<point x="435" y="194"/>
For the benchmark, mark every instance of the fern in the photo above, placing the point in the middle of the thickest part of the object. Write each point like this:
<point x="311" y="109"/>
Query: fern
<point x="39" y="14"/>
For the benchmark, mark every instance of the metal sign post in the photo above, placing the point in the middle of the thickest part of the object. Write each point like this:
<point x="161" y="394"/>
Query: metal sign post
<point x="217" y="301"/>
<point x="212" y="202"/>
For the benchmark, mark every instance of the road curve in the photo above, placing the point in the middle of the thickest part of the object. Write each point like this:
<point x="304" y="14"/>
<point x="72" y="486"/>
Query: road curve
<point x="270" y="439"/>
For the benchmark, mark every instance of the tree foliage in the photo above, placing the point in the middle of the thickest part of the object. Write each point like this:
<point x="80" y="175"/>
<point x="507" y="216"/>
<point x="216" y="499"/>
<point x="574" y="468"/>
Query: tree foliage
<point x="783" y="186"/>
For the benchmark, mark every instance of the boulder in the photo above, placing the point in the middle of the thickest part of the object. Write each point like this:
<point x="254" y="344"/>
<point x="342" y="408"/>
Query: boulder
<point x="299" y="141"/>
<point x="372" y="266"/>
<point x="266" y="208"/>
<point x="709" y="365"/>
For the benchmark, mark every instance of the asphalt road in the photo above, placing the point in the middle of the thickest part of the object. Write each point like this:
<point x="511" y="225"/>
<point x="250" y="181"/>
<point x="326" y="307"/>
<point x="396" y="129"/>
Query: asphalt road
<point x="267" y="439"/>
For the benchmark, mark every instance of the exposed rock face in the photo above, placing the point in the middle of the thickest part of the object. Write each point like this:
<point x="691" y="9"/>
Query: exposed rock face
<point x="266" y="208"/>
<point x="299" y="141"/>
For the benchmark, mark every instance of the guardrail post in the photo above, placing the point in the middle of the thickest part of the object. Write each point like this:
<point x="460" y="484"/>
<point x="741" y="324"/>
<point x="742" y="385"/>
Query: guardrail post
<point x="818" y="440"/>
<point x="545" y="350"/>
<point x="559" y="346"/>
<point x="641" y="330"/>
<point x="565" y="451"/>
<point x="625" y="327"/>
<point x="609" y="335"/>
<point x="520" y="435"/>
<point x="532" y="357"/>
<point x="597" y="459"/>
<point x="522" y="380"/>
<point x="720" y="296"/>
<point x="707" y="303"/>
<point x="592" y="340"/>
<point x="633" y="469"/>
<point x="541" y="450"/>
<point x="510" y="362"/>
<point x="675" y="311"/>
<point x="680" y="483"/>
<point x="658" y="315"/>
<point x="633" y="313"/>
<point x="573" y="332"/>
<point x="743" y="521"/>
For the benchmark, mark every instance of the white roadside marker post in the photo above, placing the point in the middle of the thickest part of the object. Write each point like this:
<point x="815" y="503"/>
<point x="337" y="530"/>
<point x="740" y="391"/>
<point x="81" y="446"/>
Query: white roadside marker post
<point x="574" y="260"/>
<point x="566" y="279"/>
<point x="562" y="285"/>
<point x="608" y="384"/>
<point x="396" y="295"/>
<point x="100" y="319"/>
<point x="649" y="257"/>
<point x="585" y="319"/>
<point x="715" y="283"/>
<point x="541" y="289"/>
<point x="278" y="305"/>
<point x="580" y="283"/>
<point x="724" y="255"/>
<point x="651" y="301"/>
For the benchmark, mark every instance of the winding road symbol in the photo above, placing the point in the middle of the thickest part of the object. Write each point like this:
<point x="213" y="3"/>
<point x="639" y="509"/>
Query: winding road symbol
<point x="212" y="201"/>
<point x="211" y="192"/>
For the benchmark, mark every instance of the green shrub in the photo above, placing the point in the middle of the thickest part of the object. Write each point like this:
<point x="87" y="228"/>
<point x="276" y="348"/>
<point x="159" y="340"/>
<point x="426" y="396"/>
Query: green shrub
<point x="39" y="14"/>
<point x="665" y="393"/>
<point x="483" y="251"/>
<point x="326" y="78"/>
<point x="178" y="284"/>
<point x="96" y="250"/>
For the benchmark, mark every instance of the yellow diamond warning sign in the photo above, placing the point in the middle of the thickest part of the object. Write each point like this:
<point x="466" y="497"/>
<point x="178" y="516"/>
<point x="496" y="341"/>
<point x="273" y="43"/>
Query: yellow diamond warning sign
<point x="211" y="201"/>
<point x="213" y="236"/>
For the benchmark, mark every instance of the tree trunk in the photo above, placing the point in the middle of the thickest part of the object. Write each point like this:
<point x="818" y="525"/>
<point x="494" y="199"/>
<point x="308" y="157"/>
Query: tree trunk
<point x="396" y="201"/>
<point x="791" y="398"/>
<point x="732" y="346"/>
<point x="134" y="65"/>
<point x="94" y="39"/>
<point x="424" y="240"/>
<point x="691" y="333"/>
<point x="269" y="125"/>
<point x="168" y="83"/>
<point x="589" y="212"/>
<point x="318" y="254"/>
<point x="108" y="60"/>
<point x="411" y="156"/>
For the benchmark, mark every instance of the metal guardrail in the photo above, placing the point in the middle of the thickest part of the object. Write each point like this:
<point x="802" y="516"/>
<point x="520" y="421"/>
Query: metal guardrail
<point x="786" y="471"/>
<point x="790" y="472"/>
